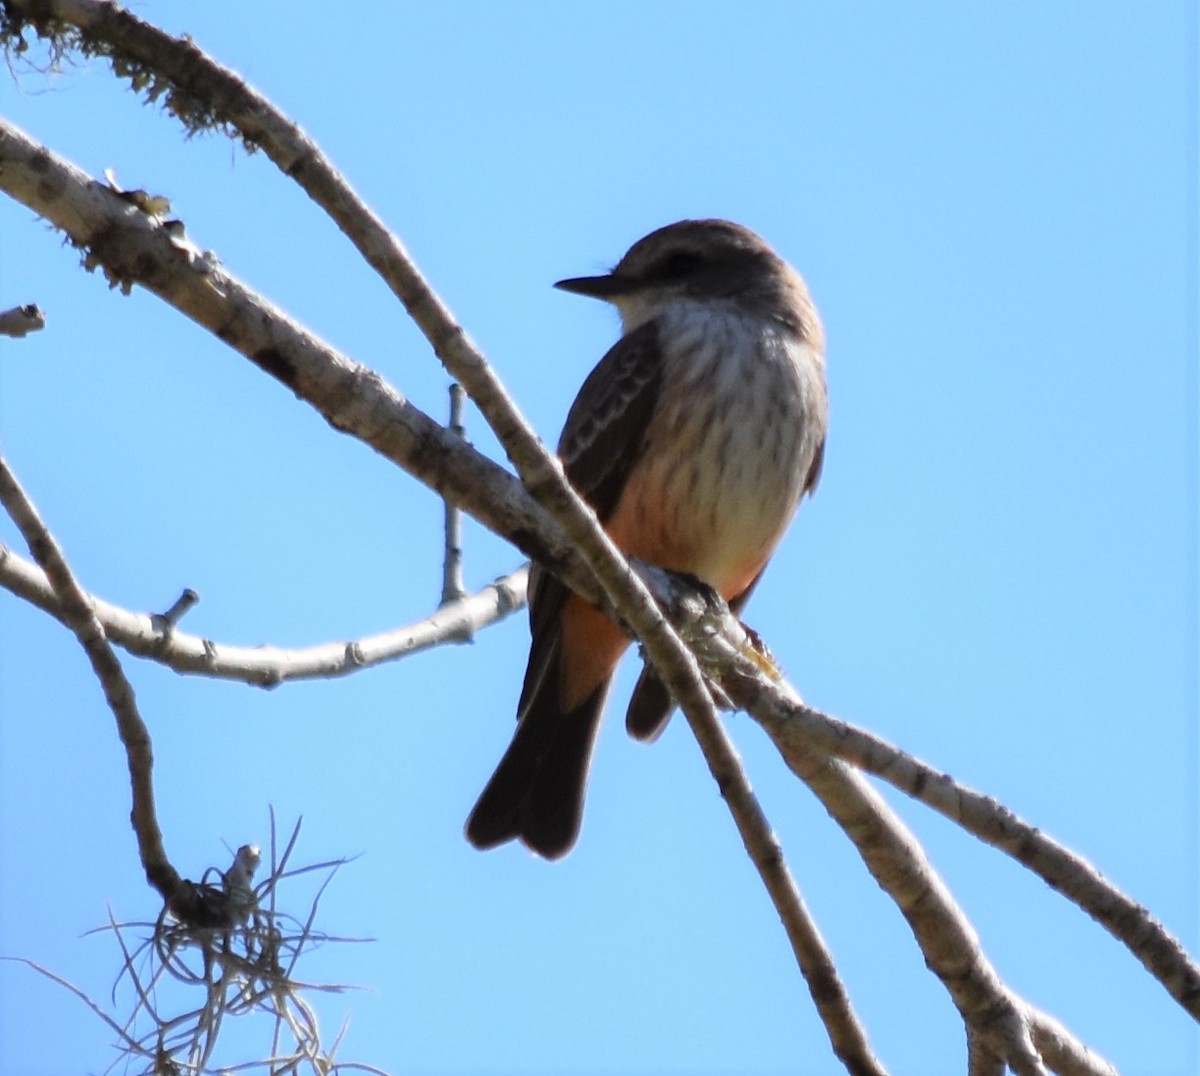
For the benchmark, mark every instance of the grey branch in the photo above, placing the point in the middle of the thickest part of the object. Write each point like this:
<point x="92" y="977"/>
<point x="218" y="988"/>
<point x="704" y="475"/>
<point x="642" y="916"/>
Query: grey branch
<point x="1063" y="1052"/>
<point x="20" y="320"/>
<point x="797" y="729"/>
<point x="134" y="247"/>
<point x="452" y="577"/>
<point x="78" y="615"/>
<point x="999" y="1023"/>
<point x="191" y="904"/>
<point x="145" y="635"/>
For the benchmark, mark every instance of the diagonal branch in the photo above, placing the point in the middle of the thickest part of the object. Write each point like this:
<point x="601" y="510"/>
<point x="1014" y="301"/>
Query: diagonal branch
<point x="1063" y="1052"/>
<point x="796" y="729"/>
<point x="997" y="1019"/>
<point x="134" y="247"/>
<point x="183" y="898"/>
<point x="204" y="94"/>
<point x="78" y="616"/>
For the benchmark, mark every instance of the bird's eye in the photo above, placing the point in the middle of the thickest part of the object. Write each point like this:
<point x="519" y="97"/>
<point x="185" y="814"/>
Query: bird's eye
<point x="679" y="265"/>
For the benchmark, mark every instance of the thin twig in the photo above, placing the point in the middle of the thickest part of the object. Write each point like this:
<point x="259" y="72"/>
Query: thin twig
<point x="179" y="608"/>
<point x="82" y="995"/>
<point x="452" y="576"/>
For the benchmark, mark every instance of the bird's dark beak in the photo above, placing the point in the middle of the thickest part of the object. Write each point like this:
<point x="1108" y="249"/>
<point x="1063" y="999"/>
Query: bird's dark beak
<point x="608" y="286"/>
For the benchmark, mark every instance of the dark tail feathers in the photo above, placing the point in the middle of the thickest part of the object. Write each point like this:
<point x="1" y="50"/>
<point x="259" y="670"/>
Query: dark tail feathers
<point x="536" y="793"/>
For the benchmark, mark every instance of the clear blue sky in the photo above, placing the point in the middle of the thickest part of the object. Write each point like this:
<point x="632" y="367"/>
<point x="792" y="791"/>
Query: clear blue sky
<point x="994" y="209"/>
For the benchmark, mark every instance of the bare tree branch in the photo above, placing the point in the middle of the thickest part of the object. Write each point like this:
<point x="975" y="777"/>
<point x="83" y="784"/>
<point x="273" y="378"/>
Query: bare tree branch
<point x="134" y="247"/>
<point x="204" y="94"/>
<point x="118" y="692"/>
<point x="452" y="577"/>
<point x="146" y="635"/>
<point x="947" y="940"/>
<point x="997" y="1019"/>
<point x="193" y="905"/>
<point x="796" y="728"/>
<point x="1063" y="1052"/>
<point x="179" y="608"/>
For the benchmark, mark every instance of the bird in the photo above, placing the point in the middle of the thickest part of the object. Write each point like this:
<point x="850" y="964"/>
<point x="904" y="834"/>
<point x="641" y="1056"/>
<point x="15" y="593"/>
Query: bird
<point x="693" y="441"/>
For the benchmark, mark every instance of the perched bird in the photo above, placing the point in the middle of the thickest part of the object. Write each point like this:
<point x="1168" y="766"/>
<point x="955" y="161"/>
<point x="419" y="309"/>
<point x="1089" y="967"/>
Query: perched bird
<point x="693" y="441"/>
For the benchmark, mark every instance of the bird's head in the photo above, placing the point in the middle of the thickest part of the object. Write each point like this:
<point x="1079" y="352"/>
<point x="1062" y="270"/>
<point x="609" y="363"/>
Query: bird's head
<point x="702" y="261"/>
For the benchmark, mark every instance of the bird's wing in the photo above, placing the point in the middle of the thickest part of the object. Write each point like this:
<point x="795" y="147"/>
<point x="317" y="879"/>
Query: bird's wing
<point x="602" y="440"/>
<point x="604" y="433"/>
